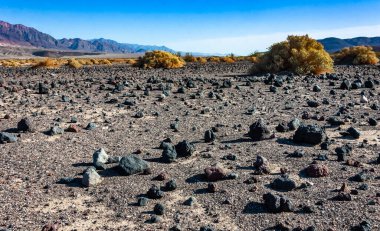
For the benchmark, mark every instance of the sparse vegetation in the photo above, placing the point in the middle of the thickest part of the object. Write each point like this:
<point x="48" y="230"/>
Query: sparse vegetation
<point x="47" y="63"/>
<point x="189" y="58"/>
<point x="160" y="59"/>
<point x="74" y="63"/>
<point x="358" y="55"/>
<point x="299" y="54"/>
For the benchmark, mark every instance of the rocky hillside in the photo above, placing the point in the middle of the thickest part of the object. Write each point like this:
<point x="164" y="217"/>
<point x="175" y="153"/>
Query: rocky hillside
<point x="21" y="35"/>
<point x="335" y="44"/>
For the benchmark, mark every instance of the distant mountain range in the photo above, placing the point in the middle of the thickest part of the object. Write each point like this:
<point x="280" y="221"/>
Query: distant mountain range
<point x="17" y="35"/>
<point x="336" y="44"/>
<point x="20" y="35"/>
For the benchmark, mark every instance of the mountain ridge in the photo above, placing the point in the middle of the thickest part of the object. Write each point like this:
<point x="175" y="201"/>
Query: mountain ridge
<point x="18" y="34"/>
<point x="333" y="44"/>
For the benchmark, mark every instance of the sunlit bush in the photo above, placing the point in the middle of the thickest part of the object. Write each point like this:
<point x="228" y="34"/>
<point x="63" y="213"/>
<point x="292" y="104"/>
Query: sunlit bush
<point x="214" y="59"/>
<point x="299" y="54"/>
<point x="189" y="58"/>
<point x="227" y="59"/>
<point x="74" y="63"/>
<point x="160" y="59"/>
<point x="201" y="60"/>
<point x="358" y="55"/>
<point x="47" y="63"/>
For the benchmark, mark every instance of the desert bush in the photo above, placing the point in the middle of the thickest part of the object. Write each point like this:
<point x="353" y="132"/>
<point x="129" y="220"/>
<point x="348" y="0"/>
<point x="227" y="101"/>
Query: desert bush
<point x="189" y="58"/>
<point x="227" y="59"/>
<point x="47" y="63"/>
<point x="160" y="59"/>
<point x="201" y="60"/>
<point x="299" y="54"/>
<point x="214" y="59"/>
<point x="358" y="55"/>
<point x="104" y="62"/>
<point x="74" y="63"/>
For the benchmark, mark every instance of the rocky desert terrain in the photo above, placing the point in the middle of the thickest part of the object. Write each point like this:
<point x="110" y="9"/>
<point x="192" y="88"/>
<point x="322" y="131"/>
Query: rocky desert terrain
<point x="204" y="147"/>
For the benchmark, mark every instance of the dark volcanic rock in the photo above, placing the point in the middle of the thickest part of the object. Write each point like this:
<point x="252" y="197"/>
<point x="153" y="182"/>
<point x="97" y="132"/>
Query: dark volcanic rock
<point x="159" y="209"/>
<point x="277" y="204"/>
<point x="259" y="131"/>
<point x="354" y="132"/>
<point x="169" y="154"/>
<point x="283" y="183"/>
<point x="184" y="149"/>
<point x="25" y="125"/>
<point x="132" y="164"/>
<point x="209" y="136"/>
<point x="154" y="192"/>
<point x="310" y="134"/>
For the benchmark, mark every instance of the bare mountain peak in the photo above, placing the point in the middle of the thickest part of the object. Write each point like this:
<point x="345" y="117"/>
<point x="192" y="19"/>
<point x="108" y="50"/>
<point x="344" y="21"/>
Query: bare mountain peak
<point x="18" y="34"/>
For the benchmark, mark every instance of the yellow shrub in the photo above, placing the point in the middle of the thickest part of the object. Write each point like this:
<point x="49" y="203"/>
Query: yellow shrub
<point x="47" y="63"/>
<point x="299" y="54"/>
<point x="201" y="60"/>
<point x="359" y="55"/>
<point x="74" y="63"/>
<point x="160" y="59"/>
<point x="214" y="59"/>
<point x="189" y="58"/>
<point x="227" y="59"/>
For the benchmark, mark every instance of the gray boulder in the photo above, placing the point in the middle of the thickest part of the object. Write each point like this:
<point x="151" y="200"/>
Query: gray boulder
<point x="99" y="158"/>
<point x="6" y="137"/>
<point x="132" y="164"/>
<point x="91" y="177"/>
<point x="310" y="134"/>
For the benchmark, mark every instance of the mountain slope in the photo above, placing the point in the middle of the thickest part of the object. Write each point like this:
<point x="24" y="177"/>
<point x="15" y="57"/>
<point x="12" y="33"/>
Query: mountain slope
<point x="21" y="35"/>
<point x="336" y="44"/>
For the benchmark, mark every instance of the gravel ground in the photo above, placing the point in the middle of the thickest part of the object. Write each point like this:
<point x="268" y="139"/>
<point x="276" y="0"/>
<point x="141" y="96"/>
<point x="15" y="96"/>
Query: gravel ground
<point x="31" y="198"/>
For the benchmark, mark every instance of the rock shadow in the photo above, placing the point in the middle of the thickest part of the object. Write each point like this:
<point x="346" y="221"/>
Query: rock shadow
<point x="254" y="208"/>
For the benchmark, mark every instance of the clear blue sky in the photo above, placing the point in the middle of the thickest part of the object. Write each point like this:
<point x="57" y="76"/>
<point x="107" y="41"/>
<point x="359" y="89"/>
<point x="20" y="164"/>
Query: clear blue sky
<point x="219" y="26"/>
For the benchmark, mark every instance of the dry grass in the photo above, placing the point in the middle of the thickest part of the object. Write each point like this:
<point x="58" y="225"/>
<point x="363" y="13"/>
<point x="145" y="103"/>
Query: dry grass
<point x="299" y="54"/>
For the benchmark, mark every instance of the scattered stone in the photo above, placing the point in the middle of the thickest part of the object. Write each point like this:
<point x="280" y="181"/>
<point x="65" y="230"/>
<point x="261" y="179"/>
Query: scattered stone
<point x="317" y="170"/>
<point x="25" y="125"/>
<point x="372" y="122"/>
<point x="361" y="177"/>
<point x="56" y="131"/>
<point x="48" y="227"/>
<point x="159" y="209"/>
<point x="343" y="152"/>
<point x="294" y="124"/>
<point x="297" y="154"/>
<point x="209" y="136"/>
<point x="73" y="128"/>
<point x="162" y="176"/>
<point x="132" y="164"/>
<point x="215" y="173"/>
<point x="6" y="137"/>
<point x="169" y="154"/>
<point x="363" y="226"/>
<point x="211" y="187"/>
<point x="171" y="185"/>
<point x="154" y="192"/>
<point x="139" y="114"/>
<point x="142" y="201"/>
<point x="283" y="183"/>
<point x="353" y="132"/>
<point x="91" y="126"/>
<point x="99" y="159"/>
<point x="342" y="196"/>
<point x="91" y="178"/>
<point x="310" y="134"/>
<point x="184" y="149"/>
<point x="190" y="202"/>
<point x="277" y="204"/>
<point x="261" y="166"/>
<point x="259" y="131"/>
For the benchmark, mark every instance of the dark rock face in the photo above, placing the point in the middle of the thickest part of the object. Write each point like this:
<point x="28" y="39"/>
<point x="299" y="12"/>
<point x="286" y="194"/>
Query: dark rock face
<point x="154" y="192"/>
<point x="132" y="164"/>
<point x="184" y="148"/>
<point x="209" y="136"/>
<point x="7" y="138"/>
<point x="259" y="131"/>
<point x="277" y="204"/>
<point x="310" y="134"/>
<point x="25" y="125"/>
<point x="169" y="154"/>
<point x="343" y="152"/>
<point x="354" y="132"/>
<point x="283" y="183"/>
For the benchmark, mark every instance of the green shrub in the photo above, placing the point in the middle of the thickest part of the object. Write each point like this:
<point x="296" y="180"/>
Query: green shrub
<point x="299" y="54"/>
<point x="358" y="55"/>
<point x="160" y="59"/>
